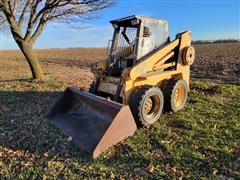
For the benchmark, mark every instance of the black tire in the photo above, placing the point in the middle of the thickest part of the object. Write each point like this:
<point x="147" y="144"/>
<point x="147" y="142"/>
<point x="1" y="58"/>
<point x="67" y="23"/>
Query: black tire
<point x="175" y="95"/>
<point x="146" y="104"/>
<point x="92" y="87"/>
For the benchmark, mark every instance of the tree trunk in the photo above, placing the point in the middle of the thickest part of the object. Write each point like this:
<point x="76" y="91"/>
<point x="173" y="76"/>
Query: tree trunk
<point x="32" y="60"/>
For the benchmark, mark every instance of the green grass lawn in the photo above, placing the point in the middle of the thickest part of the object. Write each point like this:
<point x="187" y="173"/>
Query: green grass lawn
<point x="202" y="140"/>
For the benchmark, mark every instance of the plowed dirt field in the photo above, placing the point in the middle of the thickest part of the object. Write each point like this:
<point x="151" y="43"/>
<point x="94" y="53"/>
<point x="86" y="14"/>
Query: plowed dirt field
<point x="214" y="62"/>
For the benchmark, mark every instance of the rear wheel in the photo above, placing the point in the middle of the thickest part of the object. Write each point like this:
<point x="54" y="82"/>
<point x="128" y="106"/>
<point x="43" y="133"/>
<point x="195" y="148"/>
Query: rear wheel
<point x="146" y="105"/>
<point x="93" y="86"/>
<point x="175" y="95"/>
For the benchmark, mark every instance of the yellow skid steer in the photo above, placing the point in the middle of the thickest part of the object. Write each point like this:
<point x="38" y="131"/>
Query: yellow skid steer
<point x="145" y="72"/>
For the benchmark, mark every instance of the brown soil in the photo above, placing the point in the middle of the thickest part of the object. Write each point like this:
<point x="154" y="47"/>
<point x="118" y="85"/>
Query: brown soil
<point x="214" y="62"/>
<point x="217" y="62"/>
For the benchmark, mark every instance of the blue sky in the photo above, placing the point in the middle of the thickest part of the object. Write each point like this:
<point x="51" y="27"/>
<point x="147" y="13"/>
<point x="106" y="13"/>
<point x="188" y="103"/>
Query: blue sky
<point x="207" y="19"/>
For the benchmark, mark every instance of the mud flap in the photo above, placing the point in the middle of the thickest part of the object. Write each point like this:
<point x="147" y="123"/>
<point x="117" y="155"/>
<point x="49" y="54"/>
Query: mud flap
<point x="93" y="122"/>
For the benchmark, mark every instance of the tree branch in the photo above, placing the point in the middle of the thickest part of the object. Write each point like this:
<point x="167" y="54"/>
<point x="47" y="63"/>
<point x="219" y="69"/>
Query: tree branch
<point x="23" y="13"/>
<point x="33" y="12"/>
<point x="38" y="31"/>
<point x="33" y="15"/>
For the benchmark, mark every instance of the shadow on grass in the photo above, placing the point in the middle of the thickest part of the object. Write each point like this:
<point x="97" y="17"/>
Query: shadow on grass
<point x="23" y="125"/>
<point x="24" y="128"/>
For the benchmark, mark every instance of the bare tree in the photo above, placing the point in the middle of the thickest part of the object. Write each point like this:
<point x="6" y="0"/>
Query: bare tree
<point x="27" y="19"/>
<point x="2" y="20"/>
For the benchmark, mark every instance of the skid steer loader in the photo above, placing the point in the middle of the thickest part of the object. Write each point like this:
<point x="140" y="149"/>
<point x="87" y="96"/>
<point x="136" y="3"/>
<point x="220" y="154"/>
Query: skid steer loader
<point x="145" y="72"/>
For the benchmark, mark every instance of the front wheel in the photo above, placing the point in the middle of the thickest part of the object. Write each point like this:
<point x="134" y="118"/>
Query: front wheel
<point x="147" y="104"/>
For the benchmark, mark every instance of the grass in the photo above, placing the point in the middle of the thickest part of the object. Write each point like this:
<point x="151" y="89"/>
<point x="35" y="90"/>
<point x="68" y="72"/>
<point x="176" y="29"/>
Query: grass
<point x="201" y="141"/>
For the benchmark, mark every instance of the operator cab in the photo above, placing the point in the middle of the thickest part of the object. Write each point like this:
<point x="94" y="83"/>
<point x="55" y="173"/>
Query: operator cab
<point x="135" y="37"/>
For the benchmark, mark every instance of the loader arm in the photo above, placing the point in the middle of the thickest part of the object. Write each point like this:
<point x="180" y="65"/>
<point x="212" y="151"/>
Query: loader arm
<point x="156" y="60"/>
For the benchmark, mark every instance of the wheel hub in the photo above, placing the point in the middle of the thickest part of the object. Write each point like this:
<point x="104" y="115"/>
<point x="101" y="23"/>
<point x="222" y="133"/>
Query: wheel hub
<point x="151" y="106"/>
<point x="179" y="96"/>
<point x="148" y="105"/>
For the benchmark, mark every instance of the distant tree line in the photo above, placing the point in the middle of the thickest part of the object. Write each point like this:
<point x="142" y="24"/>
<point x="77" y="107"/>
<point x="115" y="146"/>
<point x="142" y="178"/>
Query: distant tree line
<point x="216" y="41"/>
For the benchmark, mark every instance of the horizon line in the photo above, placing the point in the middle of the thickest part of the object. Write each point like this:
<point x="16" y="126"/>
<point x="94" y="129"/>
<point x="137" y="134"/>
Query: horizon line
<point x="101" y="47"/>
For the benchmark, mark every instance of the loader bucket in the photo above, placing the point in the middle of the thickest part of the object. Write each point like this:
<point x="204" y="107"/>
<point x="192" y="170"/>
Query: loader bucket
<point x="93" y="122"/>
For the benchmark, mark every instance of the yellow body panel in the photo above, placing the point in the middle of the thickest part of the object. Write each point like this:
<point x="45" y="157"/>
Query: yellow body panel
<point x="147" y="64"/>
<point x="150" y="71"/>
